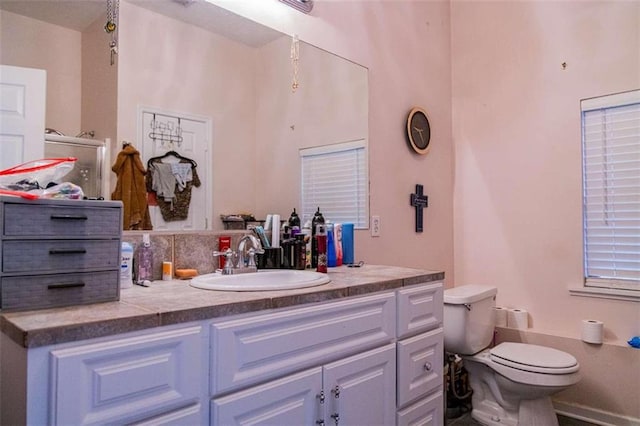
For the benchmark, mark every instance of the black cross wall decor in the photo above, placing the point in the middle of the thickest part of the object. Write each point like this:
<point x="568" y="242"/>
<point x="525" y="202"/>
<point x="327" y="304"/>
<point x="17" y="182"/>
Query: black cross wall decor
<point x="419" y="201"/>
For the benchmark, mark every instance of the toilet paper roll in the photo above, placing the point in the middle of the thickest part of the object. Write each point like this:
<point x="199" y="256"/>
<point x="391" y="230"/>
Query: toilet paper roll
<point x="592" y="331"/>
<point x="518" y="319"/>
<point x="501" y="316"/>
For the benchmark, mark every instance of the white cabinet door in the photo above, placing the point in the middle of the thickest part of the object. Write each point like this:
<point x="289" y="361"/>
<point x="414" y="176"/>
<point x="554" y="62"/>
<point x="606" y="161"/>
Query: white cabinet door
<point x="128" y="379"/>
<point x="293" y="400"/>
<point x="420" y="308"/>
<point x="361" y="389"/>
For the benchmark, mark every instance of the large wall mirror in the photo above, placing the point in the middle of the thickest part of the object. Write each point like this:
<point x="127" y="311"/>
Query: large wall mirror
<point x="193" y="59"/>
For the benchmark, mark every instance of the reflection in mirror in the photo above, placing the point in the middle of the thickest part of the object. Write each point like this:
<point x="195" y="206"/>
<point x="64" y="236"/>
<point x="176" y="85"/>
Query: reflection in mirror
<point x="206" y="62"/>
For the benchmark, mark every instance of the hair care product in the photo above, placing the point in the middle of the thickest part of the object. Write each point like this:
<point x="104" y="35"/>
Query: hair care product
<point x="321" y="244"/>
<point x="306" y="233"/>
<point x="126" y="265"/>
<point x="144" y="260"/>
<point x="294" y="223"/>
<point x="347" y="244"/>
<point x="301" y="252"/>
<point x="331" y="247"/>
<point x="318" y="219"/>
<point x="337" y="241"/>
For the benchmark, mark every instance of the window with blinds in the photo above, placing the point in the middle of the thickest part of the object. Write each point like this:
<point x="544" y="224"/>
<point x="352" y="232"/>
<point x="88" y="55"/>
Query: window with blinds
<point x="336" y="179"/>
<point x="611" y="190"/>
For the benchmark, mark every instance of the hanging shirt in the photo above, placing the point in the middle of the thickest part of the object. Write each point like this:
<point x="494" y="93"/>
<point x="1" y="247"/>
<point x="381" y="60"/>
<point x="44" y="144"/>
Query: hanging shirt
<point x="177" y="207"/>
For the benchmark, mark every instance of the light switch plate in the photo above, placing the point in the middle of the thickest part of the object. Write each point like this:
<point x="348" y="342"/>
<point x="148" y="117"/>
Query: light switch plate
<point x="375" y="226"/>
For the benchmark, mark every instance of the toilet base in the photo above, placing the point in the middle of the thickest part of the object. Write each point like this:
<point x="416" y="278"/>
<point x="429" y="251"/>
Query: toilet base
<point x="537" y="412"/>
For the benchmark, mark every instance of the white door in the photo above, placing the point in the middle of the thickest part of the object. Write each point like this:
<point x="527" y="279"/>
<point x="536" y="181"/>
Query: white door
<point x="361" y="390"/>
<point x="22" y="113"/>
<point x="159" y="136"/>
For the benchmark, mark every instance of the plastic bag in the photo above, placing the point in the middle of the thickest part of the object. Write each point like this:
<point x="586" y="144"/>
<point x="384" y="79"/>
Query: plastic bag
<point x="38" y="173"/>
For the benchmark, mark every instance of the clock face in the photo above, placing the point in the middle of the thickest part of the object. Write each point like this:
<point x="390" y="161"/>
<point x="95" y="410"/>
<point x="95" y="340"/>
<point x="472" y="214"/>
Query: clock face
<point x="418" y="130"/>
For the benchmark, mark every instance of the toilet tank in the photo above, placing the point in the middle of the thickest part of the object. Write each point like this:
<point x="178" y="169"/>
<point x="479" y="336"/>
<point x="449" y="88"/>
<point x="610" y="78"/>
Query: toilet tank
<point x="469" y="318"/>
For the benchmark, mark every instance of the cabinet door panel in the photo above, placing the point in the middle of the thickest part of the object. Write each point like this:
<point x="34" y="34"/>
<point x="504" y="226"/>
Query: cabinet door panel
<point x="420" y="365"/>
<point x="191" y="415"/>
<point x="257" y="348"/>
<point x="360" y="390"/>
<point x="428" y="411"/>
<point x="292" y="400"/>
<point x="420" y="308"/>
<point x="118" y="381"/>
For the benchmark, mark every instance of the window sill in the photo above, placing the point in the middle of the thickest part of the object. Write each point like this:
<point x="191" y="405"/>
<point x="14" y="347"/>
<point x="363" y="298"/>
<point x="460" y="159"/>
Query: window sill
<point x="606" y="293"/>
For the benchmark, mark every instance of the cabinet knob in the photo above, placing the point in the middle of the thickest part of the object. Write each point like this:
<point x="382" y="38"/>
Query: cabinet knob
<point x="320" y="422"/>
<point x="427" y="366"/>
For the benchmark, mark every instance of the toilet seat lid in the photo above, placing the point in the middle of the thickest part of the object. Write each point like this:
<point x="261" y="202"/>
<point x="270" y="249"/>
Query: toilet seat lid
<point x="534" y="358"/>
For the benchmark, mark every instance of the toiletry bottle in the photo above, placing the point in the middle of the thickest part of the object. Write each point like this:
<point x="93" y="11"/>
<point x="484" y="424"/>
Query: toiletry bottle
<point x="294" y="223"/>
<point x="306" y="233"/>
<point x="224" y="243"/>
<point x="331" y="246"/>
<point x="144" y="260"/>
<point x="337" y="240"/>
<point x="318" y="219"/>
<point x="321" y="244"/>
<point x="126" y="265"/>
<point x="301" y="251"/>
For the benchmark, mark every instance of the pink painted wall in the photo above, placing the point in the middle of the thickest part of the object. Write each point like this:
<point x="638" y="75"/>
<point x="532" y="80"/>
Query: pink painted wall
<point x="516" y="128"/>
<point x="30" y="43"/>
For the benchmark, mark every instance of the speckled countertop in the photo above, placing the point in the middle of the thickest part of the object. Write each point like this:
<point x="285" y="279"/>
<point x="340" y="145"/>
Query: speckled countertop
<point x="174" y="302"/>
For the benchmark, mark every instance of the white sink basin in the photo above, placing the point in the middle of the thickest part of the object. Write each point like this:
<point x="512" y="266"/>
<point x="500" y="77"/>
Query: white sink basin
<point x="275" y="279"/>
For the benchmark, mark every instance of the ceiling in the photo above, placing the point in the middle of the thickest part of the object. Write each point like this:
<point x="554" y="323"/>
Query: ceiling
<point x="79" y="14"/>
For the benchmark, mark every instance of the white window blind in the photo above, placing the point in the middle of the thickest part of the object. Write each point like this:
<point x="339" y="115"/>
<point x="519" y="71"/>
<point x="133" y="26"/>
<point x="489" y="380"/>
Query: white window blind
<point x="611" y="190"/>
<point x="336" y="179"/>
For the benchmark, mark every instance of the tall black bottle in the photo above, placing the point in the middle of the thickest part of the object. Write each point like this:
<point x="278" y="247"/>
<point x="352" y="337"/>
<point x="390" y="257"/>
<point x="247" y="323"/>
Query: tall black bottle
<point x="318" y="219"/>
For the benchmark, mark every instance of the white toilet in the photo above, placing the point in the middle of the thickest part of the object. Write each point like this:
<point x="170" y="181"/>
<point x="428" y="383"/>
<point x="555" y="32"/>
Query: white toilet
<point x="512" y="382"/>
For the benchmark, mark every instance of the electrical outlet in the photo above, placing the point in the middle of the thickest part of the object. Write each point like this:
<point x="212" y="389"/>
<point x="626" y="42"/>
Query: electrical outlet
<point x="375" y="226"/>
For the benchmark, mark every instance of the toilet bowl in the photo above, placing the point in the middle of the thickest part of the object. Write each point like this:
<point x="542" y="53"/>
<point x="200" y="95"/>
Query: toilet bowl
<point x="512" y="382"/>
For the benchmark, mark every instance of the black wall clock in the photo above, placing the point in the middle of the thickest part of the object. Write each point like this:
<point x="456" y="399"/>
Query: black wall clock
<point x="418" y="130"/>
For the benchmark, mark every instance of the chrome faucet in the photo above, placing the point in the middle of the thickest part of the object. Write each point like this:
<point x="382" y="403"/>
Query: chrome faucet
<point x="243" y="259"/>
<point x="246" y="257"/>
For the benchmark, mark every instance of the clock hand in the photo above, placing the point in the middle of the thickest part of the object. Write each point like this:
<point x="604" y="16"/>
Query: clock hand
<point x="419" y="130"/>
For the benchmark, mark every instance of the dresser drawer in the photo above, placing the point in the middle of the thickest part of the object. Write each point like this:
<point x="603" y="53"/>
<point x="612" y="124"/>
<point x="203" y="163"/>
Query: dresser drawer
<point x="420" y="308"/>
<point x="420" y="365"/>
<point x="59" y="255"/>
<point x="44" y="220"/>
<point x="47" y="291"/>
<point x="256" y="348"/>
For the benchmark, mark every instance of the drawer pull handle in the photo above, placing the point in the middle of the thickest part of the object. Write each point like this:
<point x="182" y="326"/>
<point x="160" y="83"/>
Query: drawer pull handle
<point x="427" y="366"/>
<point x="69" y="216"/>
<point x="65" y="285"/>
<point x="67" y="251"/>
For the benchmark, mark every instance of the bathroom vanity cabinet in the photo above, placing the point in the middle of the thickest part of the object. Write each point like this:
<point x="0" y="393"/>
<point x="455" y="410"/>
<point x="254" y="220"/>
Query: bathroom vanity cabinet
<point x="375" y="358"/>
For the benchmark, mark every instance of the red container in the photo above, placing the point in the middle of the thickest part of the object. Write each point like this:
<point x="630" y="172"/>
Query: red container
<point x="223" y="244"/>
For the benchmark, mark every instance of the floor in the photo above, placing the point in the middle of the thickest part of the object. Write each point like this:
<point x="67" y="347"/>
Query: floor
<point x="466" y="420"/>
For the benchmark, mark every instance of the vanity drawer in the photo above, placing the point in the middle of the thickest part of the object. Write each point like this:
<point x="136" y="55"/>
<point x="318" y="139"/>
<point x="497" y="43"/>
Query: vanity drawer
<point x="47" y="291"/>
<point x="65" y="220"/>
<point x="420" y="365"/>
<point x="420" y="308"/>
<point x="260" y="347"/>
<point x="59" y="255"/>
